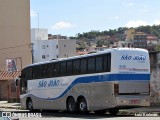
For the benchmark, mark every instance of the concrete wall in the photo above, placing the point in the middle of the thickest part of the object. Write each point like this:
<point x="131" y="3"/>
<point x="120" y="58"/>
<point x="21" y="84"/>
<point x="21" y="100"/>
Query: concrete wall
<point x="15" y="32"/>
<point x="46" y="48"/>
<point x="155" y="78"/>
<point x="3" y="89"/>
<point x="67" y="48"/>
<point x="8" y="91"/>
<point x="39" y="34"/>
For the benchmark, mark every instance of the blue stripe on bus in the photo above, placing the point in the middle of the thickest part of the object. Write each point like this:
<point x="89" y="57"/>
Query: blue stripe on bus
<point x="104" y="78"/>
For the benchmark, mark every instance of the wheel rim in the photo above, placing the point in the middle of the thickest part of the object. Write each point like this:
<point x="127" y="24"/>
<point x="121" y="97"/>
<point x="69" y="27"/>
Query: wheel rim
<point x="71" y="106"/>
<point x="82" y="106"/>
<point x="30" y="105"/>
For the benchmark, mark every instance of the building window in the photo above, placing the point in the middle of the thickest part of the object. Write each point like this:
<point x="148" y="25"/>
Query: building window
<point x="57" y="46"/>
<point x="47" y="55"/>
<point x="43" y="56"/>
<point x="64" y="45"/>
<point x="43" y="46"/>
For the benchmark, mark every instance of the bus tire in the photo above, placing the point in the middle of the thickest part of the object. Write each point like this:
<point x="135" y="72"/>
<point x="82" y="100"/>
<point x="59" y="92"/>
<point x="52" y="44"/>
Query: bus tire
<point x="82" y="106"/>
<point x="113" y="112"/>
<point x="71" y="105"/>
<point x="29" y="104"/>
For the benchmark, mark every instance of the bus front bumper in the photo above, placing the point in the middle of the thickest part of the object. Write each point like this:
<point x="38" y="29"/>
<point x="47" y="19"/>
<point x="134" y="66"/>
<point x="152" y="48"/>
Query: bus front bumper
<point x="23" y="101"/>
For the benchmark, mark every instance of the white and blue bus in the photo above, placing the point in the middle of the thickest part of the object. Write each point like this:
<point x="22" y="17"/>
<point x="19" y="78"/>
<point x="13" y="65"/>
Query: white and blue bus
<point x="110" y="80"/>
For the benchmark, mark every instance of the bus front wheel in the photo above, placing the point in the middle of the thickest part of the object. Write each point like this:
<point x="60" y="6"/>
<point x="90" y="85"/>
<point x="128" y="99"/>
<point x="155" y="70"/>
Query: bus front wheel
<point x="71" y="105"/>
<point x="30" y="105"/>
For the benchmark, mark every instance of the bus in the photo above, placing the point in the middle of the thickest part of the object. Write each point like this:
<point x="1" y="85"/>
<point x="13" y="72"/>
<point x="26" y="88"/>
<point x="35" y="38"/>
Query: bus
<point x="110" y="80"/>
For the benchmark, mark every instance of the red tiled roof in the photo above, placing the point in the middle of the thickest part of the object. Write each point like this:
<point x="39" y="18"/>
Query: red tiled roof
<point x="151" y="37"/>
<point x="82" y="53"/>
<point x="5" y="75"/>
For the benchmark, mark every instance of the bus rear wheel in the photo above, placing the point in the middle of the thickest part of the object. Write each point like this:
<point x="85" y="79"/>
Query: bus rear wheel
<point x="30" y="105"/>
<point x="71" y="105"/>
<point x="82" y="106"/>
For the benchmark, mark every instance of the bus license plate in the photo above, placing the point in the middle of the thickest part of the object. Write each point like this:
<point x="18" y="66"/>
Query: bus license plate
<point x="134" y="101"/>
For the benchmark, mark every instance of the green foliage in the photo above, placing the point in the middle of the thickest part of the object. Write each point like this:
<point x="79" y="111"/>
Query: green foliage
<point x="153" y="30"/>
<point x="81" y="45"/>
<point x="100" y="43"/>
<point x="157" y="48"/>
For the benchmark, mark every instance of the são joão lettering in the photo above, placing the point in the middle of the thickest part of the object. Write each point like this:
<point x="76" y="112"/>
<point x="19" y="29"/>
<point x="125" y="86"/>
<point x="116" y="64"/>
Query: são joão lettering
<point x="129" y="57"/>
<point x="51" y="83"/>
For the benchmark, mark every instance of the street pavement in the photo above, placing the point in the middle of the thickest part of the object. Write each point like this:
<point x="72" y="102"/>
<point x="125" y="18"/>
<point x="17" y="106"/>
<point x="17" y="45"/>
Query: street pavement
<point x="133" y="111"/>
<point x="143" y="113"/>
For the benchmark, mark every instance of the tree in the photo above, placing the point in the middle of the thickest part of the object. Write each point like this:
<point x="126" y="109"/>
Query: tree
<point x="157" y="48"/>
<point x="99" y="43"/>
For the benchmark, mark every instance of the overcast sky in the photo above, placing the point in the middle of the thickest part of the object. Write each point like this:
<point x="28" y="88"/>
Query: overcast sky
<point x="69" y="17"/>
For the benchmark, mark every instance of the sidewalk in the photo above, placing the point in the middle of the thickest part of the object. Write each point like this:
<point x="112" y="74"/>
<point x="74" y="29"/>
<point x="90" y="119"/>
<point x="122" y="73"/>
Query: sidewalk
<point x="5" y="104"/>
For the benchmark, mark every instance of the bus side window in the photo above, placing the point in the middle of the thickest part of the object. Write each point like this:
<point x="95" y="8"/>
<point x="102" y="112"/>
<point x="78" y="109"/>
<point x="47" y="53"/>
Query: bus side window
<point x="99" y="65"/>
<point x="50" y="67"/>
<point x="107" y="62"/>
<point x="91" y="65"/>
<point x="63" y="69"/>
<point x="56" y="69"/>
<point x="83" y="66"/>
<point x="29" y="73"/>
<point x="39" y="71"/>
<point x="33" y="72"/>
<point x="46" y="71"/>
<point x="76" y="66"/>
<point x="69" y="68"/>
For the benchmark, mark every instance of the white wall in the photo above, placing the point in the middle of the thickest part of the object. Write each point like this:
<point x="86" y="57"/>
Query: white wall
<point x="47" y="48"/>
<point x="39" y="34"/>
<point x="53" y="49"/>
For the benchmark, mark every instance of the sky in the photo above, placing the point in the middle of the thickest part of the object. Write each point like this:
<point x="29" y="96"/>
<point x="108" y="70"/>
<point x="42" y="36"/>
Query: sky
<point x="70" y="17"/>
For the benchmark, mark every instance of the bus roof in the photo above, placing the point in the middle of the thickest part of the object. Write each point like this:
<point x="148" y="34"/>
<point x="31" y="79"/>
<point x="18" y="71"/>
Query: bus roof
<point x="86" y="55"/>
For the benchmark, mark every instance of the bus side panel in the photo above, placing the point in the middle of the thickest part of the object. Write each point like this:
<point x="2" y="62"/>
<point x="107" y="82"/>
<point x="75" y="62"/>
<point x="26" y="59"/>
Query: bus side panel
<point x="99" y="96"/>
<point x="102" y="96"/>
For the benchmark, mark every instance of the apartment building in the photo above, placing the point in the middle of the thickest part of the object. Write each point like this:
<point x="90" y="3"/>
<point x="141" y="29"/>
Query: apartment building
<point x="136" y="39"/>
<point x="15" y="33"/>
<point x="45" y="49"/>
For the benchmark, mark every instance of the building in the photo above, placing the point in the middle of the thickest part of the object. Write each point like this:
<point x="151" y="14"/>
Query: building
<point x="138" y="39"/>
<point x="15" y="33"/>
<point x="45" y="50"/>
<point x="8" y="90"/>
<point x="125" y="44"/>
<point x="152" y="41"/>
<point x="129" y="34"/>
<point x="39" y="34"/>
